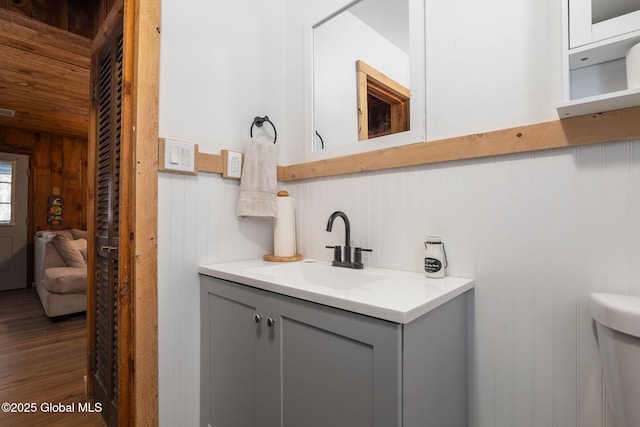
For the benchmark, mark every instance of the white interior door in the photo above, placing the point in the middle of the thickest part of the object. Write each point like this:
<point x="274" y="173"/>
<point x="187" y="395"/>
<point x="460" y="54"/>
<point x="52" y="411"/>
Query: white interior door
<point x="14" y="186"/>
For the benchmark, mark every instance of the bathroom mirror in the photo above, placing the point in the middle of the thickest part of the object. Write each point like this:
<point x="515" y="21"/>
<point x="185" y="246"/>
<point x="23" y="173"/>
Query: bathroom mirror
<point x="367" y="78"/>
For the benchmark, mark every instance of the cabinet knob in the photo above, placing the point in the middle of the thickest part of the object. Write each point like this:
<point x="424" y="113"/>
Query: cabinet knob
<point x="257" y="318"/>
<point x="270" y="322"/>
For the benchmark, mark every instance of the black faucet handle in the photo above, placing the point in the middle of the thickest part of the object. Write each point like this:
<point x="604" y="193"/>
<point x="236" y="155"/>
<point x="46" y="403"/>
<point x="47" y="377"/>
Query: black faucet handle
<point x="337" y="253"/>
<point x="363" y="250"/>
<point x="358" y="254"/>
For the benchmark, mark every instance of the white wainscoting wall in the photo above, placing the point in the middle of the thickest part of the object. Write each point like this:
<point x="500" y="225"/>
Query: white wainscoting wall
<point x="199" y="214"/>
<point x="537" y="231"/>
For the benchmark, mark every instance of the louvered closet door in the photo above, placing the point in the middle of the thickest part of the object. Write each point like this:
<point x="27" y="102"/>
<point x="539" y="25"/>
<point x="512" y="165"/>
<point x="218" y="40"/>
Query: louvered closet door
<point x="108" y="142"/>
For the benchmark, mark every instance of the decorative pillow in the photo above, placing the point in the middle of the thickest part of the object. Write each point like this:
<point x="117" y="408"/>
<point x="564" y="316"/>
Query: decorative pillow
<point x="65" y="233"/>
<point x="81" y="245"/>
<point x="69" y="250"/>
<point x="79" y="234"/>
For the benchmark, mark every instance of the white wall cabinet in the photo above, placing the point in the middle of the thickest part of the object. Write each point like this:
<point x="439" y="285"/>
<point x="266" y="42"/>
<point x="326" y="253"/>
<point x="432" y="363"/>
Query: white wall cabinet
<point x="598" y="33"/>
<point x="272" y="360"/>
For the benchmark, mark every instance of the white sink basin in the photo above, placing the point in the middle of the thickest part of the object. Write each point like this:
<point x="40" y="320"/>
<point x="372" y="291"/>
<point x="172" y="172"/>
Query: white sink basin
<point x="318" y="274"/>
<point x="393" y="295"/>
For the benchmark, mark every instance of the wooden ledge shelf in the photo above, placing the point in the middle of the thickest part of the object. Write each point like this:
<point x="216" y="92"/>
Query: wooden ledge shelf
<point x="611" y="126"/>
<point x="618" y="125"/>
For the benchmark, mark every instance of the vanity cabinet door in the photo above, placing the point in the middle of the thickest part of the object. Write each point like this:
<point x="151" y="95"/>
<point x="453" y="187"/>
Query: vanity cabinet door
<point x="329" y="367"/>
<point x="297" y="364"/>
<point x="234" y="355"/>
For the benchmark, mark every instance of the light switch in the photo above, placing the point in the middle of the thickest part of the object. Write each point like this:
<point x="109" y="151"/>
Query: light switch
<point x="186" y="156"/>
<point x="175" y="155"/>
<point x="179" y="156"/>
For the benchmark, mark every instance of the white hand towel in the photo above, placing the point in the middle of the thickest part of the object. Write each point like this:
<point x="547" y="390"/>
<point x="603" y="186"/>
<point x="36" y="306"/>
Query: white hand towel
<point x="259" y="181"/>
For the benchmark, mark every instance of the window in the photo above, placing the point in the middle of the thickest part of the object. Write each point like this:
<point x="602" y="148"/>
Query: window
<point x="6" y="192"/>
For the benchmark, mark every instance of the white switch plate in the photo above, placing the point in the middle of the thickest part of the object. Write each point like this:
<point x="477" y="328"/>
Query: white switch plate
<point x="179" y="156"/>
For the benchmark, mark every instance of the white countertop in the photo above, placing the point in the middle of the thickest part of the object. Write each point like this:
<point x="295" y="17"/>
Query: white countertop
<point x="393" y="295"/>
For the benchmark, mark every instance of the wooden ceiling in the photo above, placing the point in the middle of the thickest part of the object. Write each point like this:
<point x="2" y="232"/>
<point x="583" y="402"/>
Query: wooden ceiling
<point x="44" y="76"/>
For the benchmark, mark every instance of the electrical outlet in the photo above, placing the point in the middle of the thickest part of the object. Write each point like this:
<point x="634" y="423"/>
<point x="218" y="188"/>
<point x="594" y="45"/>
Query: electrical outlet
<point x="233" y="165"/>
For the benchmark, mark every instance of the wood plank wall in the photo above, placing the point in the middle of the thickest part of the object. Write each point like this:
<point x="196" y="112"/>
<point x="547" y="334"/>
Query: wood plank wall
<point x="54" y="161"/>
<point x="104" y="7"/>
<point x="75" y="16"/>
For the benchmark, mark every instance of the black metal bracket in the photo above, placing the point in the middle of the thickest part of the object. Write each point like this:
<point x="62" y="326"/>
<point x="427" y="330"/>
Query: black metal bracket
<point x="259" y="121"/>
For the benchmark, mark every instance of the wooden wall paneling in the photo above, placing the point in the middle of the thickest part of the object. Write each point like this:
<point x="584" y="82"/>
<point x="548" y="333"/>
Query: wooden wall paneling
<point x="57" y="165"/>
<point x="33" y="72"/>
<point x="46" y="76"/>
<point x="34" y="37"/>
<point x="76" y="16"/>
<point x="82" y="17"/>
<point x="58" y="161"/>
<point x="72" y="188"/>
<point x="105" y="7"/>
<point x="41" y="171"/>
<point x="109" y="20"/>
<point x="23" y="7"/>
<point x="51" y="12"/>
<point x="16" y="141"/>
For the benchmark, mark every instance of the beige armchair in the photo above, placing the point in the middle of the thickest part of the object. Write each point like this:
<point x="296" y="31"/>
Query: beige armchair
<point x="61" y="271"/>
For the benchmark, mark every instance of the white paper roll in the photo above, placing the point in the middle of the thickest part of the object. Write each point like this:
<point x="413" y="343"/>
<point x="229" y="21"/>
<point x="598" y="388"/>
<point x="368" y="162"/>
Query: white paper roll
<point x="633" y="67"/>
<point x="284" y="230"/>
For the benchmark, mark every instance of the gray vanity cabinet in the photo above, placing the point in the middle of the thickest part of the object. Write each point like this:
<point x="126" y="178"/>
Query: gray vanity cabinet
<point x="272" y="360"/>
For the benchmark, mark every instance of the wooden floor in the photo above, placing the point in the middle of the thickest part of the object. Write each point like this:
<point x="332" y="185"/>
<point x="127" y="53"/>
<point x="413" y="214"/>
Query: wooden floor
<point x="42" y="364"/>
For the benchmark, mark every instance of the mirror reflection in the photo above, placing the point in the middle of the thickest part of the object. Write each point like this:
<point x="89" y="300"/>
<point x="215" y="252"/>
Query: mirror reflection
<point x="361" y="73"/>
<point x="383" y="103"/>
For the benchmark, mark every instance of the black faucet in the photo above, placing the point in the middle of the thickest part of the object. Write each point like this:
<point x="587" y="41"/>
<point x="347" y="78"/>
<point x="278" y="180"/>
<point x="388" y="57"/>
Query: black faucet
<point x="337" y="258"/>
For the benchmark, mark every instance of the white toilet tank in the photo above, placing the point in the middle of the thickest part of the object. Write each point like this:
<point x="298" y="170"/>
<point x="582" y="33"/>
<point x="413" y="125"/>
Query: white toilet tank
<point x="618" y="327"/>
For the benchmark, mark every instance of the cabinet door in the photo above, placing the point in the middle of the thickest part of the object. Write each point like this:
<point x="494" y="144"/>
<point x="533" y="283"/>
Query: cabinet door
<point x="233" y="351"/>
<point x="595" y="20"/>
<point x="329" y="367"/>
